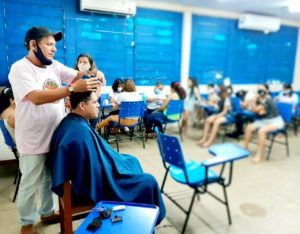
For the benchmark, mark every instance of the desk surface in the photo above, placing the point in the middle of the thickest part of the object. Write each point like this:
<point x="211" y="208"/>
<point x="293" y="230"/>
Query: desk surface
<point x="228" y="150"/>
<point x="137" y="218"/>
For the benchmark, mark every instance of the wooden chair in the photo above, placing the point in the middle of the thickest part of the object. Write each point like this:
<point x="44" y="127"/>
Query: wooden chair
<point x="70" y="212"/>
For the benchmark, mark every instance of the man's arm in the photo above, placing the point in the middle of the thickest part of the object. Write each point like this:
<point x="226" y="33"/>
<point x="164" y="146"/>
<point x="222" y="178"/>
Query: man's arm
<point x="39" y="97"/>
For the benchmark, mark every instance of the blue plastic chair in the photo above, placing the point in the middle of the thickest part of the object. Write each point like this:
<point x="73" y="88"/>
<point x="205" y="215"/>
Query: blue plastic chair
<point x="175" y="107"/>
<point x="296" y="117"/>
<point x="198" y="176"/>
<point x="286" y="112"/>
<point x="235" y="109"/>
<point x="10" y="143"/>
<point x="130" y="110"/>
<point x="104" y="101"/>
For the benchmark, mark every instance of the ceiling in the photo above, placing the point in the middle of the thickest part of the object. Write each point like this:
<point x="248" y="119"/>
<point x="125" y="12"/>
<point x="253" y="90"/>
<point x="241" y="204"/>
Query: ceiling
<point x="277" y="8"/>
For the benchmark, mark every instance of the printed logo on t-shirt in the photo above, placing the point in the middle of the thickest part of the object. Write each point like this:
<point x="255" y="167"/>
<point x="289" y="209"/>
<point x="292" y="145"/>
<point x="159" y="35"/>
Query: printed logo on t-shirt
<point x="50" y="84"/>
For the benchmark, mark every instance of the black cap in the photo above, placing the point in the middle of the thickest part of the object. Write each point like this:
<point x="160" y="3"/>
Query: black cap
<point x="38" y="32"/>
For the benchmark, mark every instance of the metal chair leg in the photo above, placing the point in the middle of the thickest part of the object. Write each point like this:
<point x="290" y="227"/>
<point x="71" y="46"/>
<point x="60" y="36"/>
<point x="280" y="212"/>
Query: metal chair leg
<point x="117" y="142"/>
<point x="180" y="131"/>
<point x="287" y="144"/>
<point x="142" y="135"/>
<point x="227" y="205"/>
<point x="189" y="212"/>
<point x="17" y="186"/>
<point x="270" y="147"/>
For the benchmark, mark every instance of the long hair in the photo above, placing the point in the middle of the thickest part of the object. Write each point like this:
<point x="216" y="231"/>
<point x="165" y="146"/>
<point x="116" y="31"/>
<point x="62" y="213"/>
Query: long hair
<point x="129" y="86"/>
<point x="5" y="96"/>
<point x="178" y="89"/>
<point x="194" y="86"/>
<point x="223" y="96"/>
<point x="93" y="68"/>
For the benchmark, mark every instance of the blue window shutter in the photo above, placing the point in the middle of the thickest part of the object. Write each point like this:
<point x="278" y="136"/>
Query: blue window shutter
<point x="157" y="46"/>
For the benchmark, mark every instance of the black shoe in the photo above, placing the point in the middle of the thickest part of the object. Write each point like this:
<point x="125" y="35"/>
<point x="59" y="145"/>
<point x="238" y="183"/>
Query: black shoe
<point x="234" y="135"/>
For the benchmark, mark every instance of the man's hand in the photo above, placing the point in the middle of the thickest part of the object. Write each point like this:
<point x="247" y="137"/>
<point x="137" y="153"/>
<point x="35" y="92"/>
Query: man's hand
<point x="86" y="85"/>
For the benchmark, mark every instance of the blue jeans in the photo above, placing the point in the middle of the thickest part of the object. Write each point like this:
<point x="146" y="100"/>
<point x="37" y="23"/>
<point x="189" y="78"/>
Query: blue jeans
<point x="156" y="119"/>
<point x="35" y="174"/>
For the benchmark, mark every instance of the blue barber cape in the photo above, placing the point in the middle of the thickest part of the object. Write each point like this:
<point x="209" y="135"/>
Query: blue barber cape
<point x="79" y="154"/>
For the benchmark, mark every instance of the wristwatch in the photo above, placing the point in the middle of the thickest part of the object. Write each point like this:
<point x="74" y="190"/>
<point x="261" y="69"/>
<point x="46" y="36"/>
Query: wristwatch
<point x="71" y="88"/>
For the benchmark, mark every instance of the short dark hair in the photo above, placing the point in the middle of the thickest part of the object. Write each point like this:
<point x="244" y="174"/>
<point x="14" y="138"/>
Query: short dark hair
<point x="287" y="86"/>
<point x="76" y="98"/>
<point x="116" y="84"/>
<point x="158" y="83"/>
<point x="5" y="96"/>
<point x="267" y="87"/>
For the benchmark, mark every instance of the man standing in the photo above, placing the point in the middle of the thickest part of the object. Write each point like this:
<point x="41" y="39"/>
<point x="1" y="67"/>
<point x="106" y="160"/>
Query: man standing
<point x="37" y="85"/>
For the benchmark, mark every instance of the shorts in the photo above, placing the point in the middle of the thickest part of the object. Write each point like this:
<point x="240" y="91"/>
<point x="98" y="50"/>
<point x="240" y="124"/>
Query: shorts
<point x="229" y="118"/>
<point x="277" y="121"/>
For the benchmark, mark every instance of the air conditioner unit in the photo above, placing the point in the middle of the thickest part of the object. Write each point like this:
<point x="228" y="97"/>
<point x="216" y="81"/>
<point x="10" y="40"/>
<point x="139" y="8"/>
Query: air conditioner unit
<point x="120" y="7"/>
<point x="259" y="23"/>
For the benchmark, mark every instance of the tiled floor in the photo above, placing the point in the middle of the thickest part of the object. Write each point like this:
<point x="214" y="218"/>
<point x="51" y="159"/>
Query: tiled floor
<point x="264" y="198"/>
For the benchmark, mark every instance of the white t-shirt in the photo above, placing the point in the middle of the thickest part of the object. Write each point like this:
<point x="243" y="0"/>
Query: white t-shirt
<point x="128" y="97"/>
<point x="287" y="98"/>
<point x="35" y="124"/>
<point x="158" y="100"/>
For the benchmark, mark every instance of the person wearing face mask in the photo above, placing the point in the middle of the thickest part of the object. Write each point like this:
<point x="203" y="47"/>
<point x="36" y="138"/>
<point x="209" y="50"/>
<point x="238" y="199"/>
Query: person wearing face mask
<point x="36" y="81"/>
<point x="288" y="95"/>
<point x="155" y="98"/>
<point x="86" y="63"/>
<point x="129" y="95"/>
<point x="116" y="90"/>
<point x="269" y="120"/>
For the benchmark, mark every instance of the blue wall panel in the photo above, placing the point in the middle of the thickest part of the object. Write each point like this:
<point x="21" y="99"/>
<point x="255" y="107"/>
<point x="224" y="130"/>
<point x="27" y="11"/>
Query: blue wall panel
<point x="219" y="48"/>
<point x="209" y="48"/>
<point x="16" y="27"/>
<point x="157" y="46"/>
<point x="107" y="38"/>
<point x="3" y="57"/>
<point x="281" y="53"/>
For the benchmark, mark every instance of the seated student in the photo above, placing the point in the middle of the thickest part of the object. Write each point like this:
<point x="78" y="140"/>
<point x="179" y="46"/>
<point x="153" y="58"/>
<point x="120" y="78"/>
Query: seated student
<point x="212" y="100"/>
<point x="97" y="172"/>
<point x="214" y="122"/>
<point x="246" y="116"/>
<point x="129" y="94"/>
<point x="288" y="95"/>
<point x="159" y="116"/>
<point x="117" y="89"/>
<point x="7" y="110"/>
<point x="270" y="120"/>
<point x="155" y="98"/>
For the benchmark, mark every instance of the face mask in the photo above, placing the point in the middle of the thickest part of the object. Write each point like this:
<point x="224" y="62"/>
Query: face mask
<point x="84" y="67"/>
<point x="210" y="91"/>
<point x="40" y="56"/>
<point x="261" y="93"/>
<point x="287" y="93"/>
<point x="120" y="89"/>
<point x="157" y="91"/>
